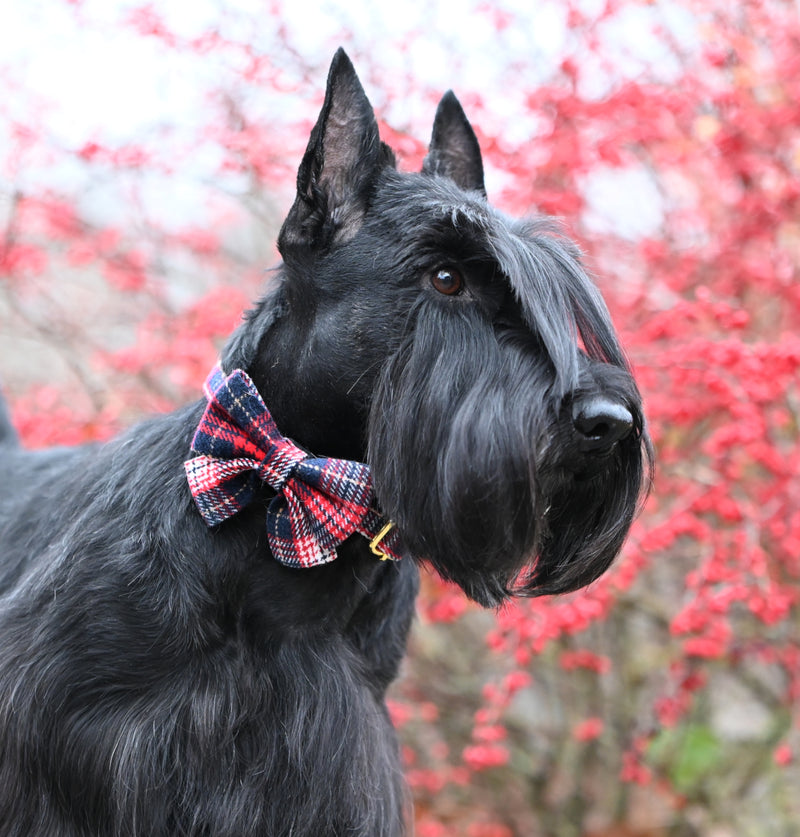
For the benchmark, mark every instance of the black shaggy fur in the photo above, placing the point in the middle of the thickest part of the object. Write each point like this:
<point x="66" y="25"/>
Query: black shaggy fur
<point x="159" y="678"/>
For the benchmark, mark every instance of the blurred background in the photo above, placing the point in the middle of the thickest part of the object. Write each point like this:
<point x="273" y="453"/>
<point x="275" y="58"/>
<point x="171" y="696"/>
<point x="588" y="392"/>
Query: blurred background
<point x="147" y="157"/>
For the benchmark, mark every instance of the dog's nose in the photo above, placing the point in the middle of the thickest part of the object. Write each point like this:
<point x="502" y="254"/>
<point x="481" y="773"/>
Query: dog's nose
<point x="600" y="423"/>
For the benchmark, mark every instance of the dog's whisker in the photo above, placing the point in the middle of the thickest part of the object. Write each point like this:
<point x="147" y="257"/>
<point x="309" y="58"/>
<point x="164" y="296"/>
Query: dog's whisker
<point x="370" y="369"/>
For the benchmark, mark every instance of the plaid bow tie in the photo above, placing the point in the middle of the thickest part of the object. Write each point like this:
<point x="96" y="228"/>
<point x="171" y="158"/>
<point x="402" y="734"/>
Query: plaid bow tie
<point x="319" y="502"/>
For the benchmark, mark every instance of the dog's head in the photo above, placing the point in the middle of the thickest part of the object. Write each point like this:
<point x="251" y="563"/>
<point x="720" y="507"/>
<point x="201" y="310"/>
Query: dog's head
<point x="466" y="354"/>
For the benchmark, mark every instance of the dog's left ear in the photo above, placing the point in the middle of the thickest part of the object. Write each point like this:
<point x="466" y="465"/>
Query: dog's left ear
<point x="454" y="151"/>
<point x="343" y="156"/>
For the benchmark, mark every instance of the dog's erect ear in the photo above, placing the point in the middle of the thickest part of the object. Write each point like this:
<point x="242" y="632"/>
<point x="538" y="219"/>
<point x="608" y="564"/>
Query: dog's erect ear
<point x="343" y="156"/>
<point x="454" y="151"/>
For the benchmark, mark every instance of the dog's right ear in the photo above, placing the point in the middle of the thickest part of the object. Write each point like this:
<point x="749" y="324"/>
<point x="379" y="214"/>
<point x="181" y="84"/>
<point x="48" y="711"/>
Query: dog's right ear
<point x="454" y="151"/>
<point x="343" y="157"/>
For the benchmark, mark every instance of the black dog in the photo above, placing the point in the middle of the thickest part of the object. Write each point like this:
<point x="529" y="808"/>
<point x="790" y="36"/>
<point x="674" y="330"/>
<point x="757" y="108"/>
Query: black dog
<point x="168" y="665"/>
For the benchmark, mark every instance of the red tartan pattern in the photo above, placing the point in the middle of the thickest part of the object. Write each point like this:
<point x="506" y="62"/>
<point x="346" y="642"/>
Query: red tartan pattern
<point x="319" y="503"/>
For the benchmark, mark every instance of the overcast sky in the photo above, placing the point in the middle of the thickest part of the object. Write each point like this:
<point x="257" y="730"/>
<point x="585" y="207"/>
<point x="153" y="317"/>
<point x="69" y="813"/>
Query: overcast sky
<point x="80" y="76"/>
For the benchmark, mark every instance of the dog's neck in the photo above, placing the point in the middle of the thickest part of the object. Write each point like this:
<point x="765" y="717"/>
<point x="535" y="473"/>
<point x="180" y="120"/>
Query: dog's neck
<point x="311" y="406"/>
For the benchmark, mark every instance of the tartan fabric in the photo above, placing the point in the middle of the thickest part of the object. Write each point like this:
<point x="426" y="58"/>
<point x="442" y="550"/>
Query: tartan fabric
<point x="319" y="503"/>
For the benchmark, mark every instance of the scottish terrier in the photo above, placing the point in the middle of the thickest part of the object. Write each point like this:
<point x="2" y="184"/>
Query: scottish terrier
<point x="427" y="382"/>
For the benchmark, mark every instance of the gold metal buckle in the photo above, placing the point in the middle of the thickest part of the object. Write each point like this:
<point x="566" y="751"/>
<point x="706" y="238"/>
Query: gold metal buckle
<point x="373" y="544"/>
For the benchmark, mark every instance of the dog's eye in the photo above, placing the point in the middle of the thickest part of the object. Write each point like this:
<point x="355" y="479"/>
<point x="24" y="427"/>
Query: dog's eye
<point x="447" y="281"/>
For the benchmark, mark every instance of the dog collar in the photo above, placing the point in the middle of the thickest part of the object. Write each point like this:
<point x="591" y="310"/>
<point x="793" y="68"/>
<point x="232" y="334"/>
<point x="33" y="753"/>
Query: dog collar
<point x="319" y="502"/>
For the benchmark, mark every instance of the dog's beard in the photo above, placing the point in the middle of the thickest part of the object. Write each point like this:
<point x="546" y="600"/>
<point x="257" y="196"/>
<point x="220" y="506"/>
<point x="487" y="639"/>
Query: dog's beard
<point x="584" y="523"/>
<point x="457" y="454"/>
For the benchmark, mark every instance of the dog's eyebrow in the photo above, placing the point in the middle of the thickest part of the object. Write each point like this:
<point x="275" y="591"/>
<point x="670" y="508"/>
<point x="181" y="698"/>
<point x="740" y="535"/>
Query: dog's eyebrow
<point x="469" y="215"/>
<point x="542" y="298"/>
<point x="558" y="299"/>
